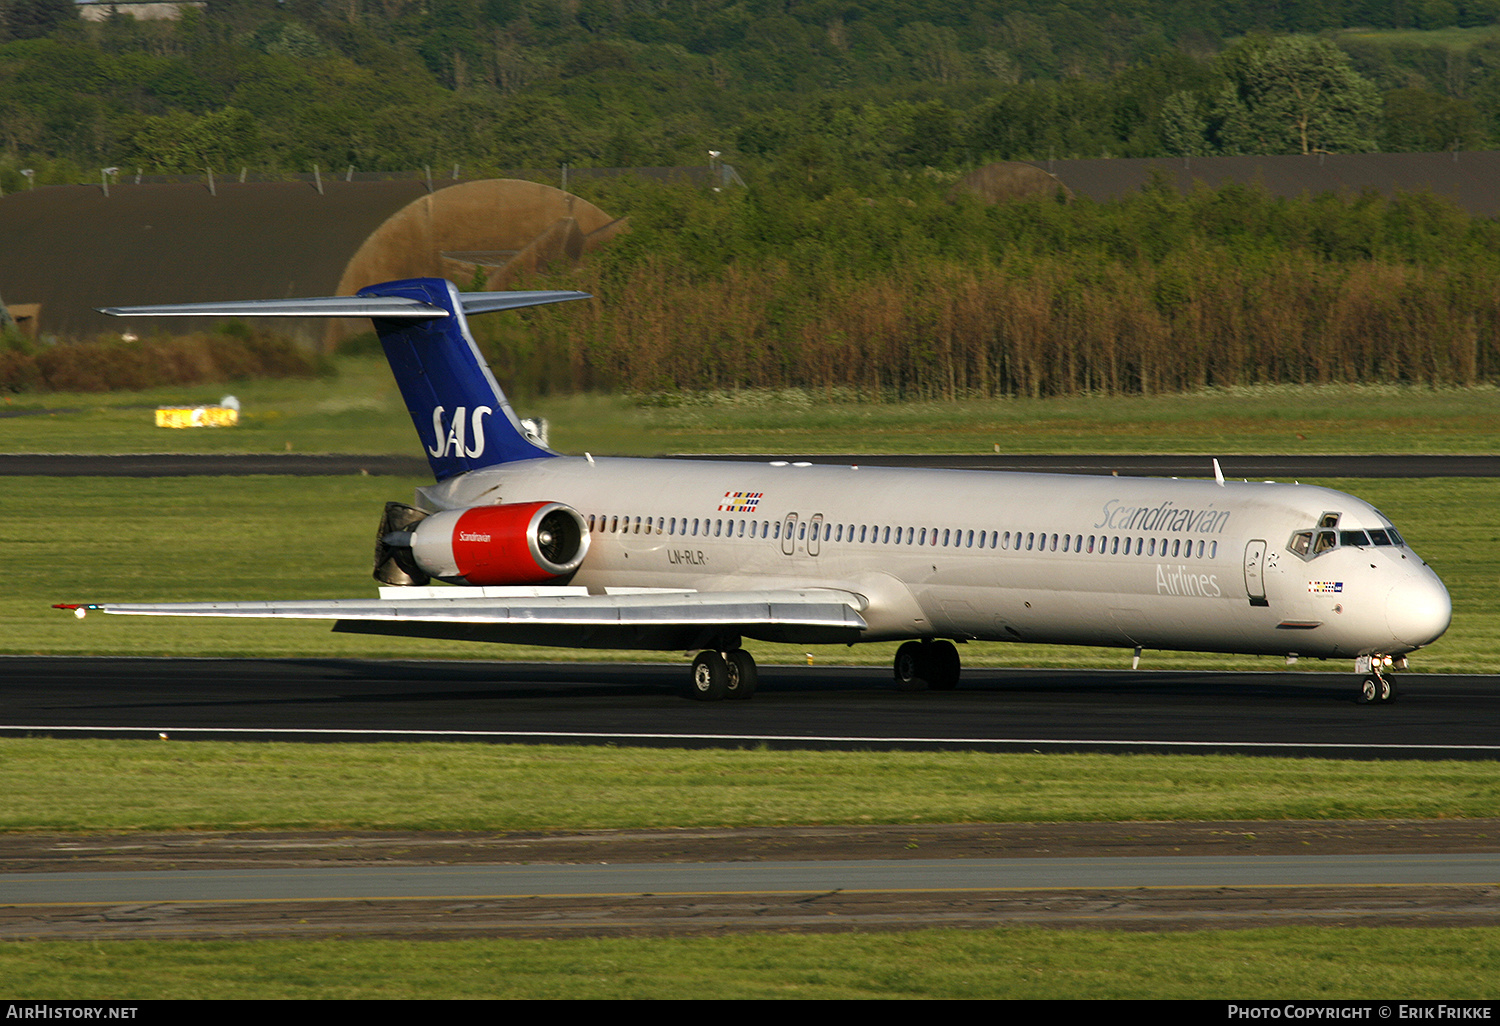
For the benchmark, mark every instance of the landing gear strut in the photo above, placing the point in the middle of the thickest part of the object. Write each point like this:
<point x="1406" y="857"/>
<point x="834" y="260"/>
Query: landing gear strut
<point x="934" y="664"/>
<point x="1374" y="685"/>
<point x="718" y="675"/>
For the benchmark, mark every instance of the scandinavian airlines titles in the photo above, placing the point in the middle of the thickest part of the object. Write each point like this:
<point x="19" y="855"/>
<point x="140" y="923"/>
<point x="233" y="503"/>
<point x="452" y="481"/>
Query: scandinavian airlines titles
<point x="1166" y="517"/>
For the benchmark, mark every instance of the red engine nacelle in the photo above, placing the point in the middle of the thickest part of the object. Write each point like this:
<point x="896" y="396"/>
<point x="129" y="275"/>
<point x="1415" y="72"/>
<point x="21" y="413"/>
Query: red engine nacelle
<point x="518" y="543"/>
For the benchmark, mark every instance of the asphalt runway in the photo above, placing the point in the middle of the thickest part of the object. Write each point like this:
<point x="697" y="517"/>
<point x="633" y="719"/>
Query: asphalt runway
<point x="1259" y="713"/>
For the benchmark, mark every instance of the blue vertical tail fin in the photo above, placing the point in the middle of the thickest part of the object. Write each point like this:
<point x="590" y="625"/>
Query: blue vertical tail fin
<point x="459" y="410"/>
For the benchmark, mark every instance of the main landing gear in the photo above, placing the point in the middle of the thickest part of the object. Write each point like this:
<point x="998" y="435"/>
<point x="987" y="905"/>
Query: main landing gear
<point x="1374" y="685"/>
<point x="934" y="664"/>
<point x="717" y="675"/>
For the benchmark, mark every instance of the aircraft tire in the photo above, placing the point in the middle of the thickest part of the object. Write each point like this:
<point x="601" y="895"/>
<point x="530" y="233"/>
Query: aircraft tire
<point x="911" y="666"/>
<point x="743" y="676"/>
<point x="943" y="666"/>
<point x="1369" y="690"/>
<point x="710" y="679"/>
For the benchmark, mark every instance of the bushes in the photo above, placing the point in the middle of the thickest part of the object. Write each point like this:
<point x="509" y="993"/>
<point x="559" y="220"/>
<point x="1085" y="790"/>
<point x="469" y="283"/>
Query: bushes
<point x="924" y="299"/>
<point x="118" y="365"/>
<point x="1030" y="328"/>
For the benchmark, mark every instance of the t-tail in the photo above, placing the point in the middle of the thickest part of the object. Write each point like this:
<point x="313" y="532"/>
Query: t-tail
<point x="459" y="410"/>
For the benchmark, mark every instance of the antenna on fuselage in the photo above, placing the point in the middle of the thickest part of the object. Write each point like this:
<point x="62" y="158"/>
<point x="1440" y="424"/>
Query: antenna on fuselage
<point x="1218" y="474"/>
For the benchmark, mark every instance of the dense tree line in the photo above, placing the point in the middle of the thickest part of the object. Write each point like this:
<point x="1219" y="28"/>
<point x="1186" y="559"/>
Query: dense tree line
<point x="823" y="91"/>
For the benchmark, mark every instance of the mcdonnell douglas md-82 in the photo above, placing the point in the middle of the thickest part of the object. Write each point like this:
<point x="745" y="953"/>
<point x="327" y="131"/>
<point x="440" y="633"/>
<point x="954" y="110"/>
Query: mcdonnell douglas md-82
<point x="540" y="548"/>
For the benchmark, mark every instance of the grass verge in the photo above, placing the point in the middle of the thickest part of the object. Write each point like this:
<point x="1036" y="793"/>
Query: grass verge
<point x="360" y="411"/>
<point x="210" y="785"/>
<point x="1271" y="964"/>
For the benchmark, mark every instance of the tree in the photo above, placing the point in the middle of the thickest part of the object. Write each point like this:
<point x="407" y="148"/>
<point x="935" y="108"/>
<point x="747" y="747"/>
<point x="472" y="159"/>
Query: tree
<point x="1426" y="122"/>
<point x="1295" y="95"/>
<point x="1182" y="127"/>
<point x="33" y="19"/>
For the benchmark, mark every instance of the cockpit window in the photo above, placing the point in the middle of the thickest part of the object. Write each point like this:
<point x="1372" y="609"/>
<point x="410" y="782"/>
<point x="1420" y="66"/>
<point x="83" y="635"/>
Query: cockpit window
<point x="1310" y="544"/>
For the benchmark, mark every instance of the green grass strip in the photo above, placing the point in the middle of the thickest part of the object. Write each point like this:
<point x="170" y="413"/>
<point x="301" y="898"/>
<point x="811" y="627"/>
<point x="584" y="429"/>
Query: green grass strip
<point x="1309" y="963"/>
<point x="88" y="785"/>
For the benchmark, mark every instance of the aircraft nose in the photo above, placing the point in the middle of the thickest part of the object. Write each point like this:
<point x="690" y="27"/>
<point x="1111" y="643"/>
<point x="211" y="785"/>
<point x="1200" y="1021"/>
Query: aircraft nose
<point x="1418" y="610"/>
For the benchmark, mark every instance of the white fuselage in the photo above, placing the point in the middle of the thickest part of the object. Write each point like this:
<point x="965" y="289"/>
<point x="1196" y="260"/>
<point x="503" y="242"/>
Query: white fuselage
<point x="1133" y="562"/>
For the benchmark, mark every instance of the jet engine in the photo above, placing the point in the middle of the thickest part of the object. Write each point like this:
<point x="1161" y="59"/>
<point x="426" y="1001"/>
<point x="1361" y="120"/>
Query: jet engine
<point x="509" y="544"/>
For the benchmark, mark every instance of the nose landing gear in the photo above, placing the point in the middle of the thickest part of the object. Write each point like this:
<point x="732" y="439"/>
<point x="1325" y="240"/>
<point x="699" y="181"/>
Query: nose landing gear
<point x="1374" y="685"/>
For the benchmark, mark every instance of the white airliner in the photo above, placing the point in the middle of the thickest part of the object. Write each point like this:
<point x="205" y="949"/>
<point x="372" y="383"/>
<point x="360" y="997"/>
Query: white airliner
<point x="539" y="548"/>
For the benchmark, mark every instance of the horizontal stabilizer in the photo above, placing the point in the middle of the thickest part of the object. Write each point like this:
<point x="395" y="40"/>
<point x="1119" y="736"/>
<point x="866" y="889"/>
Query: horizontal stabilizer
<point x="393" y="307"/>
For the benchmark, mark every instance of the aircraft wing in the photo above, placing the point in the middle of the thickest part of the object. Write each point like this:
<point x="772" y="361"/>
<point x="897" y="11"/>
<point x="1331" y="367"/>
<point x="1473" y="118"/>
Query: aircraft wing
<point x="651" y="619"/>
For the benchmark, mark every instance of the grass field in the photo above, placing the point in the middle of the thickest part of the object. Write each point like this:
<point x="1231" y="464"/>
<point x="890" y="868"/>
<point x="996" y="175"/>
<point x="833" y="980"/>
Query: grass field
<point x="1452" y="38"/>
<point x="1308" y="963"/>
<point x="360" y="411"/>
<point x="210" y="785"/>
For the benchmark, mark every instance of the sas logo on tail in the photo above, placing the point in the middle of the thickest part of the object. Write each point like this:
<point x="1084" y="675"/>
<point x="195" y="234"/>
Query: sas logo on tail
<point x="454" y="439"/>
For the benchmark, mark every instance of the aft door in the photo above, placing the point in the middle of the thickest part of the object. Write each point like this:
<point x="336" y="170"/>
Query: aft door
<point x="1255" y="576"/>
